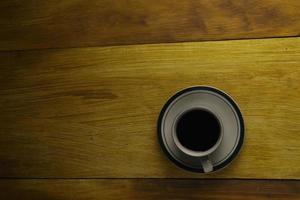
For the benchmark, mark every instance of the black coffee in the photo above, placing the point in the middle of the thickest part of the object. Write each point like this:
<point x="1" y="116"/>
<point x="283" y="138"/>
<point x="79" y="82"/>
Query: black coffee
<point x="198" y="130"/>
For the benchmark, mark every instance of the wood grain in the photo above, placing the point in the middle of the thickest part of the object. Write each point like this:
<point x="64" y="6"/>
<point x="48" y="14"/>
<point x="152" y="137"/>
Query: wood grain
<point x="35" y="24"/>
<point x="148" y="189"/>
<point x="92" y="112"/>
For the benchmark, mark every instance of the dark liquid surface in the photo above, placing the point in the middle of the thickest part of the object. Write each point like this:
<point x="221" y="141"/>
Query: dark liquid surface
<point x="198" y="130"/>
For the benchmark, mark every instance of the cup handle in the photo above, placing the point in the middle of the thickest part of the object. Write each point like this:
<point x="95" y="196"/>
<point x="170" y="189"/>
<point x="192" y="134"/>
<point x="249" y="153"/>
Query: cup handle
<point x="206" y="165"/>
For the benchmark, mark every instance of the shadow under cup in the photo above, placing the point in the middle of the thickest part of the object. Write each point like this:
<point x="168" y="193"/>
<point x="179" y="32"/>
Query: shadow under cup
<point x="198" y="130"/>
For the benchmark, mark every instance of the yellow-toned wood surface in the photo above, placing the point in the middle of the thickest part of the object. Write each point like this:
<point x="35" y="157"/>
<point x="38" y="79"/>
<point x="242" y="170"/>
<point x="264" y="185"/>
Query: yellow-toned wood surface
<point x="92" y="112"/>
<point x="49" y="189"/>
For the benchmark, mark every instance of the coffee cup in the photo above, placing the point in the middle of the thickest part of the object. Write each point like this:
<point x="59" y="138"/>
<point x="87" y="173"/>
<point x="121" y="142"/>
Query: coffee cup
<point x="197" y="132"/>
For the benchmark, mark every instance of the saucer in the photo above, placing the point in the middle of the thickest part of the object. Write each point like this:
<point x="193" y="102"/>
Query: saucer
<point x="222" y="106"/>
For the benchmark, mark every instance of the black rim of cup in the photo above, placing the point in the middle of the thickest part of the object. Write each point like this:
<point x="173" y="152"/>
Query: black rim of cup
<point x="237" y="110"/>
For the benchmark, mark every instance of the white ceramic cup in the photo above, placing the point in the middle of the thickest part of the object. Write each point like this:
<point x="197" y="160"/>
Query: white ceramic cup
<point x="203" y="154"/>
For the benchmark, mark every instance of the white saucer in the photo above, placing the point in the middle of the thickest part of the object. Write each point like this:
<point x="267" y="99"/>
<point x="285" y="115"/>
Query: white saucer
<point x="218" y="103"/>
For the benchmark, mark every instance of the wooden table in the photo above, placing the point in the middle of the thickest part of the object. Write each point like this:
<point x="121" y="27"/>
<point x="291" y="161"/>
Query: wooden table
<point x="82" y="84"/>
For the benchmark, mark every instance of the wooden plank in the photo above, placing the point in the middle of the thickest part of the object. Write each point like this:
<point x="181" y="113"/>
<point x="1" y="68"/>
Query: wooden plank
<point x="92" y="112"/>
<point x="35" y="24"/>
<point x="148" y="189"/>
